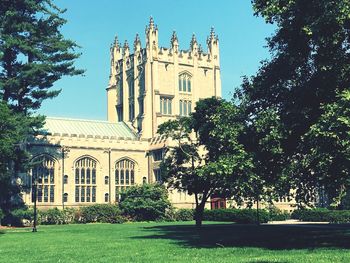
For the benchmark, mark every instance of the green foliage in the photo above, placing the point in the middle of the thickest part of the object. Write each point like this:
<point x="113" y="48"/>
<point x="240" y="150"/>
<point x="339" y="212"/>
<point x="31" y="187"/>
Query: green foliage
<point x="34" y="53"/>
<point x="328" y="152"/>
<point x="55" y="216"/>
<point x="206" y="156"/>
<point x="33" y="56"/>
<point x="184" y="214"/>
<point x="14" y="128"/>
<point x="103" y="213"/>
<point x="145" y="202"/>
<point x="310" y="54"/>
<point x="276" y="214"/>
<point x="322" y="215"/>
<point x="241" y="216"/>
<point x="19" y="217"/>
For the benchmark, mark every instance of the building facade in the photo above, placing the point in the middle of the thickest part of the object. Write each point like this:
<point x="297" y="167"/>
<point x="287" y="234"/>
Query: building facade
<point x="82" y="162"/>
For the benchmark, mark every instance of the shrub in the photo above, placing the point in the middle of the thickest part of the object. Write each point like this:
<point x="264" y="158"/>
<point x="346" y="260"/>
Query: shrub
<point x="146" y="202"/>
<point x="19" y="217"/>
<point x="296" y="214"/>
<point x="276" y="214"/>
<point x="242" y="216"/>
<point x="55" y="216"/>
<point x="184" y="215"/>
<point x="52" y="216"/>
<point x="103" y="213"/>
<point x="322" y="215"/>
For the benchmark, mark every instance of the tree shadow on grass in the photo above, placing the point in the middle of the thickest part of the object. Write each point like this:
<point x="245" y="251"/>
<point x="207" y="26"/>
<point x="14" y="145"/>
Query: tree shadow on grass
<point x="265" y="236"/>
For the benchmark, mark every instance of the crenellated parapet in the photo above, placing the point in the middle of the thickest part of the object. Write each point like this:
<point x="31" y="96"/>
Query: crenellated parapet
<point x="152" y="51"/>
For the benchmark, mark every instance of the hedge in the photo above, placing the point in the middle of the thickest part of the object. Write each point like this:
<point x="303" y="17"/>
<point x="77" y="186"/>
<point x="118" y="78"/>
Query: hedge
<point x="19" y="217"/>
<point x="184" y="214"/>
<point x="55" y="216"/>
<point x="276" y="214"/>
<point x="322" y="215"/>
<point x="103" y="213"/>
<point x="241" y="216"/>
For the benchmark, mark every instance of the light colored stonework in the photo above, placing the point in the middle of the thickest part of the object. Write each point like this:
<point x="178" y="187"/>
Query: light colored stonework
<point x="139" y="82"/>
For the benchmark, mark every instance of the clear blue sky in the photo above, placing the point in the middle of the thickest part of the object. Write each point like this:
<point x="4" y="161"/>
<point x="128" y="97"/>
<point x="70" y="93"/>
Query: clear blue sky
<point x="94" y="24"/>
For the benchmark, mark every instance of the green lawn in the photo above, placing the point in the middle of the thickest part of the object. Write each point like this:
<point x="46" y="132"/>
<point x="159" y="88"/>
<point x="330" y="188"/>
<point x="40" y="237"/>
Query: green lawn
<point x="176" y="242"/>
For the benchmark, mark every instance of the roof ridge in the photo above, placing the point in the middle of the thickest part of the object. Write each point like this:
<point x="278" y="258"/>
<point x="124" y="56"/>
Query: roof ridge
<point x="78" y="119"/>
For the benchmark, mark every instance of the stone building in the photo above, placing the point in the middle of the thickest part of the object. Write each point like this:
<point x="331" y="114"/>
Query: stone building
<point x="81" y="162"/>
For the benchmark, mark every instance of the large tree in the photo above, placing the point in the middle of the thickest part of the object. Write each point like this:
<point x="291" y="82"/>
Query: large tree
<point x="309" y="65"/>
<point x="14" y="128"/>
<point x="205" y="156"/>
<point x="33" y="56"/>
<point x="33" y="52"/>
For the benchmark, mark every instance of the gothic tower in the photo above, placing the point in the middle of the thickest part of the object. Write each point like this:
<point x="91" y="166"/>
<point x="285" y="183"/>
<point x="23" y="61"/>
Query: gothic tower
<point x="155" y="84"/>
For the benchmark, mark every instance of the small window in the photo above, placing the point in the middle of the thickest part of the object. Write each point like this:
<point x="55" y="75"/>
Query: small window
<point x="185" y="107"/>
<point x="157" y="155"/>
<point x="65" y="179"/>
<point x="144" y="180"/>
<point x="65" y="197"/>
<point x="185" y="84"/>
<point x="106" y="180"/>
<point x="106" y="197"/>
<point x="165" y="106"/>
<point x="157" y="175"/>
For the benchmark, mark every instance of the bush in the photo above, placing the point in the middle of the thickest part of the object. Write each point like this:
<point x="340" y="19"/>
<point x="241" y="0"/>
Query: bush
<point x="276" y="214"/>
<point x="55" y="216"/>
<point x="242" y="216"/>
<point x="184" y="215"/>
<point x="52" y="216"/>
<point x="19" y="217"/>
<point x="322" y="215"/>
<point x="148" y="202"/>
<point x="103" y="213"/>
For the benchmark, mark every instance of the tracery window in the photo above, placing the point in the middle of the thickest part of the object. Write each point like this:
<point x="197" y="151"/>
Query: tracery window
<point x="165" y="105"/>
<point x="185" y="82"/>
<point x="185" y="107"/>
<point x="85" y="180"/>
<point x="43" y="173"/>
<point x="124" y="175"/>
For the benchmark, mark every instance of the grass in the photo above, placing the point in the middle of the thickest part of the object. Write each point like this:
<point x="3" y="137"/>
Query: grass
<point x="176" y="242"/>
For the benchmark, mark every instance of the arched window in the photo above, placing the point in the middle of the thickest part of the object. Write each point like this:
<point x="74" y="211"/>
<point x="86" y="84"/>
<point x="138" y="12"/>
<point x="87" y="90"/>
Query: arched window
<point x="124" y="175"/>
<point x="65" y="179"/>
<point x="65" y="197"/>
<point x="185" y="82"/>
<point x="43" y="176"/>
<point x="106" y="197"/>
<point x="85" y="180"/>
<point x="106" y="180"/>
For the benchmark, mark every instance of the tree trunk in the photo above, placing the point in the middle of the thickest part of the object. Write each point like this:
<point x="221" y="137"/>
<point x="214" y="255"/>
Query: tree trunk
<point x="199" y="213"/>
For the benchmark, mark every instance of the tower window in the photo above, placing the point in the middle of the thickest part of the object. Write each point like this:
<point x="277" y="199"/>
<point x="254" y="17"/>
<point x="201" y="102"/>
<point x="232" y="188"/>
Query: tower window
<point x="185" y="82"/>
<point x="165" y="105"/>
<point x="185" y="107"/>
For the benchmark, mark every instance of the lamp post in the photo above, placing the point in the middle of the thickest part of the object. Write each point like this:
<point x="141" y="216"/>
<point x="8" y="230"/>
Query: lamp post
<point x="65" y="151"/>
<point x="34" y="189"/>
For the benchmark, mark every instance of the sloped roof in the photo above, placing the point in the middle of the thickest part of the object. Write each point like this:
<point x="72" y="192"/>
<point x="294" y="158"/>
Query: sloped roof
<point x="94" y="128"/>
